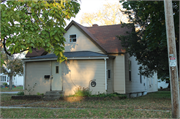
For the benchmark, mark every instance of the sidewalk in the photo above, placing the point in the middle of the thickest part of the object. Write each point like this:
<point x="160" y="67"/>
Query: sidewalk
<point x="9" y="92"/>
<point x="15" y="107"/>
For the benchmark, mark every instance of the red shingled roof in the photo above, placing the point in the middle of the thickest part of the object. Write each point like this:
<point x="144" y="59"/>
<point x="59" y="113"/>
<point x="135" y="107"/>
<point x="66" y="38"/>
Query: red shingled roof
<point x="107" y="37"/>
<point x="103" y="36"/>
<point x="36" y="52"/>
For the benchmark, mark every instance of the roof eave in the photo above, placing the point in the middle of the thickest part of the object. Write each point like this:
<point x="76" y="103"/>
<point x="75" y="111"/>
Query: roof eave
<point x="70" y="58"/>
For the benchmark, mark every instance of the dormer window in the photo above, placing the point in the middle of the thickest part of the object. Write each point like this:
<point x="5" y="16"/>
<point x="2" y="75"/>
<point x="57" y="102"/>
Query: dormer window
<point x="72" y="38"/>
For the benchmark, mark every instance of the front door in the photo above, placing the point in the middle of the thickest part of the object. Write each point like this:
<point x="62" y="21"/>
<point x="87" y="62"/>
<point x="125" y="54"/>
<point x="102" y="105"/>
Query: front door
<point x="57" y="76"/>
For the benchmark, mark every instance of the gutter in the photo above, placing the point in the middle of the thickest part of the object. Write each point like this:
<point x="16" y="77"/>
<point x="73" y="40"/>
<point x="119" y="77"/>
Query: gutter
<point x="105" y="59"/>
<point x="72" y="58"/>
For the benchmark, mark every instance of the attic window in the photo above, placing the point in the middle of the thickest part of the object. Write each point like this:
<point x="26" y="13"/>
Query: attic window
<point x="72" y="38"/>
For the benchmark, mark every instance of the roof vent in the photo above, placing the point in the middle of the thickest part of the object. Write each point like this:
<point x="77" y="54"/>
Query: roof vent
<point x="94" y="25"/>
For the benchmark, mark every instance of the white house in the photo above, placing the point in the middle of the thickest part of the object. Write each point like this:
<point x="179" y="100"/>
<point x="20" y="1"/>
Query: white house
<point x="95" y="60"/>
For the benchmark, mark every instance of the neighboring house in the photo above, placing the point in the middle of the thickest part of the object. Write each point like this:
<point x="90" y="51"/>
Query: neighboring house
<point x="4" y="79"/>
<point x="162" y="84"/>
<point x="95" y="60"/>
<point x="17" y="80"/>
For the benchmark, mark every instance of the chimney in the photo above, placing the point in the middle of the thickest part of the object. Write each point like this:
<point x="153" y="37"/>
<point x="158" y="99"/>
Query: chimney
<point x="95" y="25"/>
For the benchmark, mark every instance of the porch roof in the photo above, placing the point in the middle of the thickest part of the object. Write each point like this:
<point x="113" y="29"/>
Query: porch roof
<point x="75" y="54"/>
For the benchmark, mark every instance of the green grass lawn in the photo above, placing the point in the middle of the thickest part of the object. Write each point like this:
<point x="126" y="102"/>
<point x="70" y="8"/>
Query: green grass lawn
<point x="141" y="107"/>
<point x="18" y="88"/>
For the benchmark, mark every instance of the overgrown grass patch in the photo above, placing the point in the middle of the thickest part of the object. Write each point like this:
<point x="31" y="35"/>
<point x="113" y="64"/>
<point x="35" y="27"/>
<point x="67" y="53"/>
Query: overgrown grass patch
<point x="7" y="101"/>
<point x="154" y="101"/>
<point x="82" y="113"/>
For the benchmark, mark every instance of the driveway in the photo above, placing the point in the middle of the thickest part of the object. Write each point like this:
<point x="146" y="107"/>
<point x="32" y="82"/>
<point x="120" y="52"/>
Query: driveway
<point x="9" y="92"/>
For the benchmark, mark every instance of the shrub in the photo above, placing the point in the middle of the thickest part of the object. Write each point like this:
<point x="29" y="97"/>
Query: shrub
<point x="82" y="92"/>
<point x="40" y="93"/>
<point x="5" y="84"/>
<point x="20" y="93"/>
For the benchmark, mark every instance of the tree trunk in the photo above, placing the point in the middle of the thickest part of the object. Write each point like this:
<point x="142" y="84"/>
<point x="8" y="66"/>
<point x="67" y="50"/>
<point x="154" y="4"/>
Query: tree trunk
<point x="10" y="83"/>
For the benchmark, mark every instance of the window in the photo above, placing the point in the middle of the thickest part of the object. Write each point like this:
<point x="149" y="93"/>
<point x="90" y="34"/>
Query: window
<point x="140" y="77"/>
<point x="57" y="69"/>
<point x="129" y="70"/>
<point x="3" y="78"/>
<point x="109" y="74"/>
<point x="72" y="38"/>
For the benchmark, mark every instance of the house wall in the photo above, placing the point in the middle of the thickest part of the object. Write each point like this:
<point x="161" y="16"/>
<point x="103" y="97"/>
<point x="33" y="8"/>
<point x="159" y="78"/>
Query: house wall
<point x="135" y="86"/>
<point x="80" y="73"/>
<point x="110" y="81"/>
<point x="18" y="80"/>
<point x="7" y="78"/>
<point x="152" y="83"/>
<point x="119" y="73"/>
<point x="83" y="43"/>
<point x="34" y="73"/>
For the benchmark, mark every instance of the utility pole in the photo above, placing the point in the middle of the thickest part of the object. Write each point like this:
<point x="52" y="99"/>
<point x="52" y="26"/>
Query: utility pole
<point x="173" y="70"/>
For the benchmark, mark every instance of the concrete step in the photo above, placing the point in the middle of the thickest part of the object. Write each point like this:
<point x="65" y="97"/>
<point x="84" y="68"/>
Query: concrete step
<point x="53" y="95"/>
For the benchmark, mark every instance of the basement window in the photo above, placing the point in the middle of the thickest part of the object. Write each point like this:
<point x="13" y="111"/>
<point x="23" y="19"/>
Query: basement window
<point x="72" y="38"/>
<point x="57" y="69"/>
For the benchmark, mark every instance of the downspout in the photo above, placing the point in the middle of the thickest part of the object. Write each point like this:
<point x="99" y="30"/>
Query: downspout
<point x="105" y="74"/>
<point x="51" y="77"/>
<point x="24" y="75"/>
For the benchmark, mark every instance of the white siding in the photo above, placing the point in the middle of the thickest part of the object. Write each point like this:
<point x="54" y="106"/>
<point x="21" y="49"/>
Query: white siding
<point x="110" y="81"/>
<point x="83" y="43"/>
<point x="80" y="73"/>
<point x="35" y="72"/>
<point x="119" y="74"/>
<point x="18" y="80"/>
<point x="147" y="85"/>
<point x="134" y="85"/>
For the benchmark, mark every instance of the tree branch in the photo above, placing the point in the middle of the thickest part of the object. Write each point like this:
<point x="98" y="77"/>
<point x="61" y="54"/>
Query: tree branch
<point x="5" y="49"/>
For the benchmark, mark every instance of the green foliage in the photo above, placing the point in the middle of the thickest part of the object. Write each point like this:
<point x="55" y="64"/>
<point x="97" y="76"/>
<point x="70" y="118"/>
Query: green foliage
<point x="20" y="93"/>
<point x="5" y="84"/>
<point x="148" y="42"/>
<point x="109" y="95"/>
<point x="36" y="24"/>
<point x="81" y="91"/>
<point x="40" y="93"/>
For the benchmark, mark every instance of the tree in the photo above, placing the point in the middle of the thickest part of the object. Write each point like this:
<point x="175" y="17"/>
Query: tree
<point x="12" y="66"/>
<point x="109" y="14"/>
<point x="148" y="42"/>
<point x="28" y="24"/>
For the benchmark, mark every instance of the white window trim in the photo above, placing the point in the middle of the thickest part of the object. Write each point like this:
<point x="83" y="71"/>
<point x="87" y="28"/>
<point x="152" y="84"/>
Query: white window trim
<point x="69" y="38"/>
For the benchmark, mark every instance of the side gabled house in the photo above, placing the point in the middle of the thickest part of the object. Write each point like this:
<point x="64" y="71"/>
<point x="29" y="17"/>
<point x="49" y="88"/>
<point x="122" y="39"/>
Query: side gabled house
<point x="95" y="60"/>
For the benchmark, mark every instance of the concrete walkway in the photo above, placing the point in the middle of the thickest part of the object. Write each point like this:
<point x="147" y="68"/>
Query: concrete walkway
<point x="9" y="92"/>
<point x="11" y="107"/>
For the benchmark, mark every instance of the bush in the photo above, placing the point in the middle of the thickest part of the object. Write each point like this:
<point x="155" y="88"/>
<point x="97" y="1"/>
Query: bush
<point x="82" y="92"/>
<point x="40" y="93"/>
<point x="5" y="84"/>
<point x="20" y="93"/>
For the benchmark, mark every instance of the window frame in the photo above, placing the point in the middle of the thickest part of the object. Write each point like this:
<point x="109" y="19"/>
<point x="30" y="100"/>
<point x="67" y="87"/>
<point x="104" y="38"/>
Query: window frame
<point x="70" y="39"/>
<point x="130" y="66"/>
<point x="3" y="78"/>
<point x="57" y="69"/>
